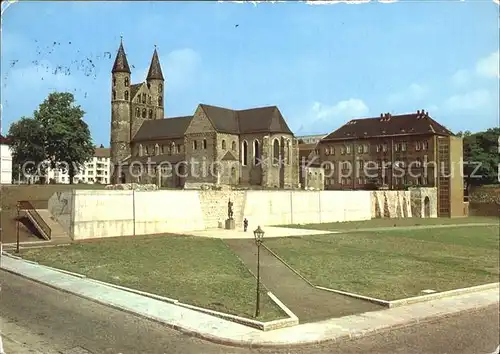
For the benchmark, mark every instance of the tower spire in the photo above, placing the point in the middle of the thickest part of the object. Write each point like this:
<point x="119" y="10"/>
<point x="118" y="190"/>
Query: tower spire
<point x="121" y="63"/>
<point x="154" y="72"/>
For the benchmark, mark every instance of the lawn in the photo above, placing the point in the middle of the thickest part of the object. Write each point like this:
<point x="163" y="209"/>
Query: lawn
<point x="401" y="222"/>
<point x="395" y="264"/>
<point x="197" y="271"/>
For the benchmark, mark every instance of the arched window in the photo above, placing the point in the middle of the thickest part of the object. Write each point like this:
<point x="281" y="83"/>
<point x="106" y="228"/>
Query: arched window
<point x="114" y="94"/>
<point x="289" y="152"/>
<point x="114" y="81"/>
<point x="244" y="153"/>
<point x="223" y="145"/>
<point x="256" y="152"/>
<point x="141" y="151"/>
<point x="126" y="82"/>
<point x="233" y="146"/>
<point x="160" y="103"/>
<point x="157" y="149"/>
<point x="204" y="143"/>
<point x="160" y="88"/>
<point x="137" y="112"/>
<point x="195" y="145"/>
<point x="276" y="152"/>
<point x="149" y="99"/>
<point x="150" y="114"/>
<point x="172" y="148"/>
<point x="143" y="98"/>
<point x="144" y="113"/>
<point x="125" y="95"/>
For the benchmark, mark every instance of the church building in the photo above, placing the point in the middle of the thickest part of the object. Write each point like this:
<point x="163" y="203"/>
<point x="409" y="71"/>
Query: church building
<point x="214" y="145"/>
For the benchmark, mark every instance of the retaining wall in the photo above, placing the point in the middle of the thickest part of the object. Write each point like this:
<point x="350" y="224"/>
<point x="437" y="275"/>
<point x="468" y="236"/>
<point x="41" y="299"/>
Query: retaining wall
<point x="89" y="214"/>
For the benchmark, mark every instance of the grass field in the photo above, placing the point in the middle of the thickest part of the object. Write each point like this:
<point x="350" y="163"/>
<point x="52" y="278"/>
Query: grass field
<point x="196" y="271"/>
<point x="402" y="222"/>
<point x="395" y="264"/>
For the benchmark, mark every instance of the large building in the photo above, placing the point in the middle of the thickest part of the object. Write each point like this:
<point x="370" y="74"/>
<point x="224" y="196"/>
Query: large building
<point x="214" y="145"/>
<point x="394" y="152"/>
<point x="5" y="161"/>
<point x="96" y="170"/>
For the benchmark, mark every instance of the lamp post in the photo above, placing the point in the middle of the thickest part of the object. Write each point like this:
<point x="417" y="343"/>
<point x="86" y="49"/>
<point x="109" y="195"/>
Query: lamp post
<point x="259" y="236"/>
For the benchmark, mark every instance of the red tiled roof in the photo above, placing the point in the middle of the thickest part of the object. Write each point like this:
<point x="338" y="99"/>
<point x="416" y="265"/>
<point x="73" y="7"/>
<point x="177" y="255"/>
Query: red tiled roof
<point x="4" y="140"/>
<point x="387" y="125"/>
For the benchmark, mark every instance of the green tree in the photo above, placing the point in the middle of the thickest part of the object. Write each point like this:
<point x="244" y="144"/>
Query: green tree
<point x="68" y="141"/>
<point x="27" y="138"/>
<point x="481" y="157"/>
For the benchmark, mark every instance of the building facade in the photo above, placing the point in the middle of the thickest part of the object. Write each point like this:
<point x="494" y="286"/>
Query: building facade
<point x="5" y="162"/>
<point x="214" y="145"/>
<point x="394" y="152"/>
<point x="310" y="139"/>
<point x="95" y="171"/>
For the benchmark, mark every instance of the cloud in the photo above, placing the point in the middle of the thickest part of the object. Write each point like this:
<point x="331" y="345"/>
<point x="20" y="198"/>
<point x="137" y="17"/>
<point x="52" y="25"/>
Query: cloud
<point x="488" y="66"/>
<point x="414" y="92"/>
<point x="470" y="101"/>
<point x="343" y="110"/>
<point x="461" y="77"/>
<point x="180" y="69"/>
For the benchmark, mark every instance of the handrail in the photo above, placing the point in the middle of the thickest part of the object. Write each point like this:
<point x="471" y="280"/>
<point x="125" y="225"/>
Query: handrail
<point x="28" y="206"/>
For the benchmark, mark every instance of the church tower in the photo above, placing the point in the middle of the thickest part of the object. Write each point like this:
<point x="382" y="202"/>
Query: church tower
<point x="156" y="82"/>
<point x="120" y="111"/>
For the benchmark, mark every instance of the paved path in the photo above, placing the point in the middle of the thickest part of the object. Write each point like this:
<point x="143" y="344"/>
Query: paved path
<point x="220" y="330"/>
<point x="270" y="231"/>
<point x="37" y="319"/>
<point x="306" y="302"/>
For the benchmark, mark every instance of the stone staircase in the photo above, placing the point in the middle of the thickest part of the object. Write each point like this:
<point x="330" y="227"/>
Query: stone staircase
<point x="57" y="232"/>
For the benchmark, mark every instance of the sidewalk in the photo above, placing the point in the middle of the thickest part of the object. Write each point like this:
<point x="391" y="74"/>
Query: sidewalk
<point x="225" y="332"/>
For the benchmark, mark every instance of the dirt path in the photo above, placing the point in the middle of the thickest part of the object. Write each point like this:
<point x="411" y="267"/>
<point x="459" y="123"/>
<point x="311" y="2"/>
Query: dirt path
<point x="308" y="303"/>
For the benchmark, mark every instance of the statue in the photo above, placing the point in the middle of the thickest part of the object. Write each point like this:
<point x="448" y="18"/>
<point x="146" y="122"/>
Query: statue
<point x="230" y="209"/>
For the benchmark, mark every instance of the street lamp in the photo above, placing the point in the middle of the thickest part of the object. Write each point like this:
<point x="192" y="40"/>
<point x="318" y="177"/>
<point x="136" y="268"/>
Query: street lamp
<point x="259" y="237"/>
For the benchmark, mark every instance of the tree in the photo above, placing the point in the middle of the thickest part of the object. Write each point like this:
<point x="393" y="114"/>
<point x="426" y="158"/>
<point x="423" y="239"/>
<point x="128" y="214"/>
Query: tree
<point x="481" y="157"/>
<point x="68" y="141"/>
<point x="27" y="139"/>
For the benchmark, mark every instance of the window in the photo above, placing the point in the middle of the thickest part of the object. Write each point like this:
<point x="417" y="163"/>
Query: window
<point x="195" y="145"/>
<point x="365" y="148"/>
<point x="396" y="147"/>
<point x="256" y="152"/>
<point x="204" y="143"/>
<point x="140" y="150"/>
<point x="342" y="150"/>
<point x="360" y="164"/>
<point x="418" y="145"/>
<point x="384" y="147"/>
<point x="332" y="150"/>
<point x="137" y="112"/>
<point x="379" y="147"/>
<point x="327" y="151"/>
<point x="126" y="82"/>
<point x="160" y="88"/>
<point x="114" y="81"/>
<point x="289" y="152"/>
<point x="172" y="148"/>
<point x="233" y="145"/>
<point x="403" y="146"/>
<point x="114" y="94"/>
<point x="360" y="149"/>
<point x="157" y="149"/>
<point x="244" y="153"/>
<point x="150" y="114"/>
<point x="160" y="103"/>
<point x="125" y="95"/>
<point x="143" y="98"/>
<point x="348" y="149"/>
<point x="425" y="145"/>
<point x="276" y="152"/>
<point x="223" y="144"/>
<point x="144" y="113"/>
<point x="149" y="99"/>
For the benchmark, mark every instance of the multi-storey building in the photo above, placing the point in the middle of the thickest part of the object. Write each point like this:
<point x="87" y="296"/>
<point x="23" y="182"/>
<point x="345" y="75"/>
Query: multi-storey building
<point x="214" y="145"/>
<point x="394" y="152"/>
<point x="310" y="139"/>
<point x="96" y="170"/>
<point x="5" y="161"/>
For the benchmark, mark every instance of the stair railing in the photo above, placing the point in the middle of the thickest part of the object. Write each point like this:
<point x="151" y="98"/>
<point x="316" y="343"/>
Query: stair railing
<point x="28" y="207"/>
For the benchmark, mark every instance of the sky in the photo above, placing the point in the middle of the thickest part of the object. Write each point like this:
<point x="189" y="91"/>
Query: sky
<point x="322" y="65"/>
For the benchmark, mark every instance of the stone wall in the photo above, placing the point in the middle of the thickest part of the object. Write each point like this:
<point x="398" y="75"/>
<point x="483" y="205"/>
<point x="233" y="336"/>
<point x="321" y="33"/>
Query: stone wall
<point x="404" y="204"/>
<point x="106" y="213"/>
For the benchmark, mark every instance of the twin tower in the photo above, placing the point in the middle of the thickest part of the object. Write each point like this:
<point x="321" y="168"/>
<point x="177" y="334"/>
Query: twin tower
<point x="132" y="104"/>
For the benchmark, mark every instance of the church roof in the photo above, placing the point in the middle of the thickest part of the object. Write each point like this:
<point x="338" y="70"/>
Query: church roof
<point x="121" y="63"/>
<point x="133" y="89"/>
<point x="155" y="68"/>
<point x="254" y="120"/>
<point x="167" y="128"/>
<point x="389" y="125"/>
<point x="229" y="157"/>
